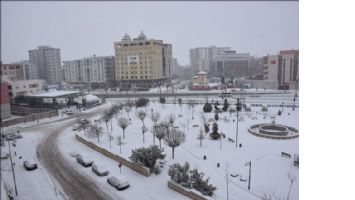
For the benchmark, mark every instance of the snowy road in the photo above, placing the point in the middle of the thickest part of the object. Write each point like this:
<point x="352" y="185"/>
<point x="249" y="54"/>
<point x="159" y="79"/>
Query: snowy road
<point x="75" y="185"/>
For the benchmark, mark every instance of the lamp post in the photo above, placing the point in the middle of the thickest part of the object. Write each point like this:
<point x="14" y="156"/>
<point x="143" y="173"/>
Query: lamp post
<point x="12" y="166"/>
<point x="239" y="107"/>
<point x="249" y="164"/>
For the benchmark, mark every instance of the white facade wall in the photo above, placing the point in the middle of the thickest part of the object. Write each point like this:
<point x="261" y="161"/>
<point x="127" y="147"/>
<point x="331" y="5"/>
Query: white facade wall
<point x="18" y="88"/>
<point x="86" y="70"/>
<point x="271" y="68"/>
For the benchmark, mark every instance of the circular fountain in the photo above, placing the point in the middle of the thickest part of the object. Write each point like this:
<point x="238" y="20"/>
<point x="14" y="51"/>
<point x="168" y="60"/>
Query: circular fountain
<point x="274" y="131"/>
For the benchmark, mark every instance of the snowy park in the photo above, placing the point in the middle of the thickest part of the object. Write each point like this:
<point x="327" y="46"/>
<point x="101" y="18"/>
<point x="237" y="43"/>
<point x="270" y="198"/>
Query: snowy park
<point x="199" y="147"/>
<point x="184" y="133"/>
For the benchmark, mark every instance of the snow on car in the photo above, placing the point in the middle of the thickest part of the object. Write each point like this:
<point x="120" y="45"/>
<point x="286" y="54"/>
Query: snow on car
<point x="68" y="111"/>
<point x="76" y="127"/>
<point x="119" y="182"/>
<point x="100" y="170"/>
<point x="30" y="164"/>
<point x="84" y="160"/>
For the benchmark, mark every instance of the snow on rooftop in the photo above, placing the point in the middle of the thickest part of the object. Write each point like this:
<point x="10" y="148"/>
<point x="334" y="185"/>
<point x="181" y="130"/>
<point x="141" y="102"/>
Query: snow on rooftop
<point x="202" y="72"/>
<point x="54" y="93"/>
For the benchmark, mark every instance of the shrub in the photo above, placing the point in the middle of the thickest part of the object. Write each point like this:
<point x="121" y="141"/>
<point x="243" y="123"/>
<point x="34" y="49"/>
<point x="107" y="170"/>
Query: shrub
<point x="147" y="156"/>
<point x="207" y="107"/>
<point x="141" y="102"/>
<point x="216" y="116"/>
<point x="162" y="100"/>
<point x="182" y="175"/>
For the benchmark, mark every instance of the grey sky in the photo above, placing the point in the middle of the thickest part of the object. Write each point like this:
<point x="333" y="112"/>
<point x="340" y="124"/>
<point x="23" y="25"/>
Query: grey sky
<point x="81" y="29"/>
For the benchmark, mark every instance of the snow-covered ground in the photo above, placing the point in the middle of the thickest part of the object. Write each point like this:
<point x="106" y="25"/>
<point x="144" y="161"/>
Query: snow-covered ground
<point x="269" y="172"/>
<point x="31" y="185"/>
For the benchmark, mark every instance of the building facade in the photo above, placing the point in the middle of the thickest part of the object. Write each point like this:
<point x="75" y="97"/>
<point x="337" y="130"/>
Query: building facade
<point x="45" y="63"/>
<point x="91" y="72"/>
<point x="229" y="64"/>
<point x="24" y="87"/>
<point x="11" y="72"/>
<point x="5" y="101"/>
<point x="283" y="68"/>
<point x="142" y="63"/>
<point x="201" y="58"/>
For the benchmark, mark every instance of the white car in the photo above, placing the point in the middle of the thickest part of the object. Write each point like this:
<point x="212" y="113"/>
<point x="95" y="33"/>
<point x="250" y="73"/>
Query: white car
<point x="68" y="112"/>
<point x="30" y="164"/>
<point x="100" y="170"/>
<point x="119" y="182"/>
<point x="84" y="160"/>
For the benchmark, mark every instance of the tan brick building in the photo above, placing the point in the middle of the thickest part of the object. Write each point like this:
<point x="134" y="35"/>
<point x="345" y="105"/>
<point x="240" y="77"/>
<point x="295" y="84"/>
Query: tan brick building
<point x="142" y="63"/>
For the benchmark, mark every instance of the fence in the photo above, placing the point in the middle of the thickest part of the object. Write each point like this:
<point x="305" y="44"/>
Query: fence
<point x="134" y="166"/>
<point x="22" y="110"/>
<point x="29" y="118"/>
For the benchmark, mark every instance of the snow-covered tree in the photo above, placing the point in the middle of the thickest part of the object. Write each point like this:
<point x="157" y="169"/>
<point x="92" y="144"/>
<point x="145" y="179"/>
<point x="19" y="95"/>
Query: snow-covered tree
<point x="292" y="178"/>
<point x="225" y="105"/>
<point x="106" y="117"/>
<point x="123" y="123"/>
<point x="174" y="139"/>
<point x="207" y="107"/>
<point x="142" y="102"/>
<point x="154" y="116"/>
<point x="147" y="156"/>
<point x="96" y="130"/>
<point x="216" y="116"/>
<point x="110" y="138"/>
<point x="161" y="132"/>
<point x="141" y="115"/>
<point x="171" y="119"/>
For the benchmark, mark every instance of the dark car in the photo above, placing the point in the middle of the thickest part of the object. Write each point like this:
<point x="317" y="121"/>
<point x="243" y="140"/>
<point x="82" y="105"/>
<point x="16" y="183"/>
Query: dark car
<point x="30" y="165"/>
<point x="99" y="170"/>
<point x="84" y="161"/>
<point x="119" y="182"/>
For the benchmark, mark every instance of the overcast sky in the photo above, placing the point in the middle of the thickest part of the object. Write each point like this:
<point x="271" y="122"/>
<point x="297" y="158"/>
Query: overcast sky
<point x="81" y="29"/>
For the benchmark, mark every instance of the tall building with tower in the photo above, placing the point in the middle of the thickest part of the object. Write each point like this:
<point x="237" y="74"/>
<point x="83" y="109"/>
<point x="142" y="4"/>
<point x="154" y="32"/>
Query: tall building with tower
<point x="141" y="62"/>
<point x="45" y="63"/>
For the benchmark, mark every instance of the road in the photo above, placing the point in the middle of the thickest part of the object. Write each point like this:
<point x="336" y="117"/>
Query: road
<point x="75" y="185"/>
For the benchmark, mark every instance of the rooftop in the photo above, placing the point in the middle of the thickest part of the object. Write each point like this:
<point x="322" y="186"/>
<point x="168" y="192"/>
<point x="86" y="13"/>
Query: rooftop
<point x="54" y="94"/>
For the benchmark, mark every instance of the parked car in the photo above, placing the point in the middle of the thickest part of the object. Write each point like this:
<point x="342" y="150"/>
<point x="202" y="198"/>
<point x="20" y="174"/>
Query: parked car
<point x="100" y="170"/>
<point x="84" y="121"/>
<point x="76" y="127"/>
<point x="119" y="182"/>
<point x="30" y="164"/>
<point x="12" y="136"/>
<point x="84" y="160"/>
<point x="68" y="111"/>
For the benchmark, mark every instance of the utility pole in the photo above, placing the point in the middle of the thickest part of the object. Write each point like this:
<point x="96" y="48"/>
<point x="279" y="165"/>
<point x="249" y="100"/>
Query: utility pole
<point x="239" y="107"/>
<point x="249" y="164"/>
<point x="12" y="167"/>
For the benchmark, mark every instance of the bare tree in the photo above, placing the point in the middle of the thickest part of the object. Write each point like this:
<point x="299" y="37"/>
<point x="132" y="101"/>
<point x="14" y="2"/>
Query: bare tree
<point x="292" y="178"/>
<point x="174" y="139"/>
<point x="155" y="118"/>
<point x="110" y="138"/>
<point x="106" y="117"/>
<point x="160" y="133"/>
<point x="97" y="131"/>
<point x="201" y="136"/>
<point x="123" y="123"/>
<point x="119" y="142"/>
<point x="203" y="117"/>
<point x="128" y="110"/>
<point x="191" y="104"/>
<point x="171" y="119"/>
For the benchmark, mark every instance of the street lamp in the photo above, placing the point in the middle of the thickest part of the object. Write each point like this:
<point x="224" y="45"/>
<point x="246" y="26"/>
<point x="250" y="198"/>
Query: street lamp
<point x="239" y="108"/>
<point x="249" y="164"/>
